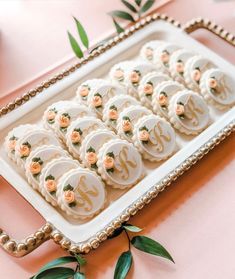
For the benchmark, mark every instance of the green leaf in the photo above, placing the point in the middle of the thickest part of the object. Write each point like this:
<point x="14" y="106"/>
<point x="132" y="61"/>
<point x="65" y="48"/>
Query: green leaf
<point x="75" y="46"/>
<point x="147" y="5"/>
<point x="80" y="260"/>
<point x="132" y="228"/>
<point x="82" y="33"/>
<point x="129" y="6"/>
<point x="150" y="246"/>
<point x="117" y="26"/>
<point x="138" y="2"/>
<point x="79" y="275"/>
<point x="56" y="273"/>
<point x="123" y="265"/>
<point x="122" y="14"/>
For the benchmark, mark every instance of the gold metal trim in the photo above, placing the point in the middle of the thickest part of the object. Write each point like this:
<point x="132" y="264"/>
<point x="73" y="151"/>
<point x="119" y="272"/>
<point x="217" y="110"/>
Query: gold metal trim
<point x="48" y="231"/>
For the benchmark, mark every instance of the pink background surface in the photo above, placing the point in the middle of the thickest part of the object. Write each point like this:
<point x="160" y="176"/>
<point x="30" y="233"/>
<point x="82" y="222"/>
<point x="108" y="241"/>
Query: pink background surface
<point x="194" y="218"/>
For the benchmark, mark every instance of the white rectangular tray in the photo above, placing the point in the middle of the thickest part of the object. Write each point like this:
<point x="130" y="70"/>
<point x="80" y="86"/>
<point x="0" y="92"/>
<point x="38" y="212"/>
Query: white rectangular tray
<point x="76" y="236"/>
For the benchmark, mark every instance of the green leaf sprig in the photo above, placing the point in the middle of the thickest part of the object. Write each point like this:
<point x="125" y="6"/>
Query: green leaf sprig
<point x="83" y="37"/>
<point x="140" y="242"/>
<point x="134" y="13"/>
<point x="53" y="270"/>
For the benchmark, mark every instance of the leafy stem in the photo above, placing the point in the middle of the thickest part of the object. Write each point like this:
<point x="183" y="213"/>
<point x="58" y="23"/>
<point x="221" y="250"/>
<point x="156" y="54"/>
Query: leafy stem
<point x="129" y="240"/>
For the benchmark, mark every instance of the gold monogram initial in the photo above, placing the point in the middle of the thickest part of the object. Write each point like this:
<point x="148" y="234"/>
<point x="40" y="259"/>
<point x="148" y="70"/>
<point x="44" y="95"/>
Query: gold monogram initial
<point x="223" y="89"/>
<point x="42" y="141"/>
<point x="111" y="92"/>
<point x="84" y="193"/>
<point x="192" y="111"/>
<point x="157" y="137"/>
<point x="123" y="164"/>
<point x="90" y="128"/>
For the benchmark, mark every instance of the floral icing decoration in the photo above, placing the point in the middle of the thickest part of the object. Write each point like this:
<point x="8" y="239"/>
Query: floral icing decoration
<point x="109" y="162"/>
<point x="126" y="126"/>
<point x="179" y="110"/>
<point x="91" y="157"/>
<point x="149" y="53"/>
<point x="84" y="91"/>
<point x="50" y="115"/>
<point x="213" y="84"/>
<point x="97" y="101"/>
<point x="165" y="56"/>
<point x="163" y="99"/>
<point x="35" y="166"/>
<point x="196" y="75"/>
<point x="113" y="113"/>
<point x="144" y="134"/>
<point x="24" y="150"/>
<point x="148" y="89"/>
<point x="76" y="136"/>
<point x="119" y="74"/>
<point x="69" y="195"/>
<point x="135" y="77"/>
<point x="179" y="66"/>
<point x="51" y="184"/>
<point x="64" y="121"/>
<point x="12" y="143"/>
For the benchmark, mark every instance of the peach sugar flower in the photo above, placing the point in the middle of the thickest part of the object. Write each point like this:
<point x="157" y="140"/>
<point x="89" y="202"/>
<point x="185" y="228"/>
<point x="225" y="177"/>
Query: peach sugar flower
<point x="179" y="67"/>
<point x="164" y="56"/>
<point x="75" y="136"/>
<point x="108" y="162"/>
<point x="196" y="75"/>
<point x="91" y="158"/>
<point x="144" y="135"/>
<point x="24" y="150"/>
<point x="113" y="114"/>
<point x="69" y="196"/>
<point x="84" y="91"/>
<point x="135" y="77"/>
<point x="97" y="101"/>
<point x="179" y="109"/>
<point x="51" y="185"/>
<point x="64" y="121"/>
<point x="162" y="99"/>
<point x="212" y="82"/>
<point x="35" y="168"/>
<point x="51" y="115"/>
<point x="126" y="125"/>
<point x="148" y="89"/>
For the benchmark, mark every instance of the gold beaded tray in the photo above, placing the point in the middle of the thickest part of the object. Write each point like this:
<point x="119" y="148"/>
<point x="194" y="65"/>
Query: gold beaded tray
<point x="81" y="237"/>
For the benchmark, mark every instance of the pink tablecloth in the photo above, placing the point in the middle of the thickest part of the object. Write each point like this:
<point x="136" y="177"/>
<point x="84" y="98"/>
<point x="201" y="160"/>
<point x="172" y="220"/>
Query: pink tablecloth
<point x="194" y="218"/>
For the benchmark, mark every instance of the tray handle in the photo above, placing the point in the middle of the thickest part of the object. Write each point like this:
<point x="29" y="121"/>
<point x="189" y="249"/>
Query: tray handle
<point x="200" y="23"/>
<point x="27" y="245"/>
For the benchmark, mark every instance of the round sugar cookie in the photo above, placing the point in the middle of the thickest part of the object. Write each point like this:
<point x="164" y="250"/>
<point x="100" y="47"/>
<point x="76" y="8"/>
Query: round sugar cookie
<point x="120" y="164"/>
<point x="148" y="49"/>
<point x="217" y="88"/>
<point x="81" y="193"/>
<point x="118" y="72"/>
<point x="188" y="112"/>
<point x="154" y="138"/>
